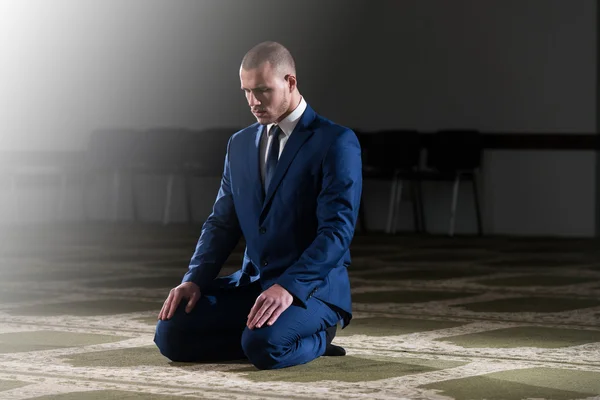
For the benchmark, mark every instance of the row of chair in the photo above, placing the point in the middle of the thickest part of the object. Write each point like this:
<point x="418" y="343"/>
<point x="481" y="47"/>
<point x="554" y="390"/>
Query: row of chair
<point x="390" y="155"/>
<point x="404" y="156"/>
<point x="165" y="151"/>
<point x="118" y="153"/>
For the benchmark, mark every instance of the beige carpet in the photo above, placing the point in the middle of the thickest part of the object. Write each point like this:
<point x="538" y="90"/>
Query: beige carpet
<point x="435" y="318"/>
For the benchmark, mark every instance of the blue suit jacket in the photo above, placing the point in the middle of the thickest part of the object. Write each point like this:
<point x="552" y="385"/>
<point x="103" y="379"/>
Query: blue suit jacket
<point x="298" y="233"/>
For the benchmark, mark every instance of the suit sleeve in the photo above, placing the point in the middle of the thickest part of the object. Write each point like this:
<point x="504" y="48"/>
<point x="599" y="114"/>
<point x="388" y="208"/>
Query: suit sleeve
<point x="220" y="234"/>
<point x="337" y="211"/>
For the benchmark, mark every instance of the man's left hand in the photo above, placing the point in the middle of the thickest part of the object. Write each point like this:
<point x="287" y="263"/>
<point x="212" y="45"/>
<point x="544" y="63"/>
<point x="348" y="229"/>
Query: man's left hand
<point x="269" y="306"/>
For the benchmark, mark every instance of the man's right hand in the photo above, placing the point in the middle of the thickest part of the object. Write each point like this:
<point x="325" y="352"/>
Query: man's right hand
<point x="187" y="290"/>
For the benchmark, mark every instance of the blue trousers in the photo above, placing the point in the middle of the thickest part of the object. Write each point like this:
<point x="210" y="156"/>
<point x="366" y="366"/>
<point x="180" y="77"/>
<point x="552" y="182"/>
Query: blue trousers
<point x="215" y="330"/>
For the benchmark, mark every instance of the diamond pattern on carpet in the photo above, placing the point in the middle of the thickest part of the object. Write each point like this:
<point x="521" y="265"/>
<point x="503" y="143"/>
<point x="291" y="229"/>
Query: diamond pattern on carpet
<point x="462" y="317"/>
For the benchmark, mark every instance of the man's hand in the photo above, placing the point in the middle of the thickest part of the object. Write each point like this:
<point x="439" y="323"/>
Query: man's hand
<point x="187" y="290"/>
<point x="269" y="306"/>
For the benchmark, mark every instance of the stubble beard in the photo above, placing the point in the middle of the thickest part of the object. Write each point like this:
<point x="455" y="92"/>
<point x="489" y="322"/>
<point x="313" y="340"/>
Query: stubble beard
<point x="277" y="113"/>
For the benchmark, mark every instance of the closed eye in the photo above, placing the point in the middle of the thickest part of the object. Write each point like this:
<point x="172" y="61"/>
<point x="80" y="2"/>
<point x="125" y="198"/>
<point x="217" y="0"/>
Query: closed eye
<point x="260" y="90"/>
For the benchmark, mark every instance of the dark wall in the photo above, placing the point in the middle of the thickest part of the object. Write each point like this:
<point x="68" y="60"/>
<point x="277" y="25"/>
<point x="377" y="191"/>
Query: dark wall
<point x="69" y="66"/>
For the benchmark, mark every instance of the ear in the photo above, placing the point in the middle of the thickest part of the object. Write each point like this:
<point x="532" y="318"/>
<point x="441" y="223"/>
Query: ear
<point x="291" y="81"/>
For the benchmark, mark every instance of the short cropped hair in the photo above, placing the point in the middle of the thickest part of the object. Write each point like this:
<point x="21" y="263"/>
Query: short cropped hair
<point x="274" y="53"/>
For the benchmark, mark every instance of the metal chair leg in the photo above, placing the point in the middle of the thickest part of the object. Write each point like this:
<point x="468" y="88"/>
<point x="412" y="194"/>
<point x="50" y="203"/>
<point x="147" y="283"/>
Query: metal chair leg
<point x="399" y="188"/>
<point x="477" y="204"/>
<point x="391" y="208"/>
<point x="454" y="203"/>
<point x="414" y="198"/>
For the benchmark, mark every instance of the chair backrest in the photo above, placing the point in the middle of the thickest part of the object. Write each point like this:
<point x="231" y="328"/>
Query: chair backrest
<point x="160" y="147"/>
<point x="112" y="148"/>
<point x="205" y="150"/>
<point x="457" y="149"/>
<point x="391" y="149"/>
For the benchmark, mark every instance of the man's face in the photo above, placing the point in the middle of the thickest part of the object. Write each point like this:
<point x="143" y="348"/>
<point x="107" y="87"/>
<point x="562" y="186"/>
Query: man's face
<point x="267" y="93"/>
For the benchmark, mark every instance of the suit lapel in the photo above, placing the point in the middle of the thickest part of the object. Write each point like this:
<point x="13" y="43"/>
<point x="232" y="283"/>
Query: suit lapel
<point x="298" y="137"/>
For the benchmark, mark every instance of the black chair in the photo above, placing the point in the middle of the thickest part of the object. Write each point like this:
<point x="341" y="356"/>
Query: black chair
<point x="204" y="156"/>
<point x="455" y="155"/>
<point x="109" y="152"/>
<point x="394" y="155"/>
<point x="159" y="152"/>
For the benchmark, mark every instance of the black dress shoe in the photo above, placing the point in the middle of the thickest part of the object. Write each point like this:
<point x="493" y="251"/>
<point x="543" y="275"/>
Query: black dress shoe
<point x="331" y="350"/>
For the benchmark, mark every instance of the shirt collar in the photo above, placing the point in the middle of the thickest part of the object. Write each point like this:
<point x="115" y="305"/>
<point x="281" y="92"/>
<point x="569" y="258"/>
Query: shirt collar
<point x="288" y="124"/>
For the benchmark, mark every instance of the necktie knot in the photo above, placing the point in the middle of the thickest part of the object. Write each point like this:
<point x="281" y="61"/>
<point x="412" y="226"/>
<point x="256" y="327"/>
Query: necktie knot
<point x="275" y="131"/>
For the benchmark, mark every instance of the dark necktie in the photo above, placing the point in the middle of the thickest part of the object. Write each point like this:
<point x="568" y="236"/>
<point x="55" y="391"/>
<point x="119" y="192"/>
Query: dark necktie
<point x="273" y="155"/>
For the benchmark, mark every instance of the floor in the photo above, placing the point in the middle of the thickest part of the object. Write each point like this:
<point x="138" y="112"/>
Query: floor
<point x="435" y="318"/>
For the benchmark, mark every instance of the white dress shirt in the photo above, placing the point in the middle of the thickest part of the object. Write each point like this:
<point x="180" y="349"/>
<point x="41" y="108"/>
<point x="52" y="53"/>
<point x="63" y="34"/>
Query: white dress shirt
<point x="287" y="125"/>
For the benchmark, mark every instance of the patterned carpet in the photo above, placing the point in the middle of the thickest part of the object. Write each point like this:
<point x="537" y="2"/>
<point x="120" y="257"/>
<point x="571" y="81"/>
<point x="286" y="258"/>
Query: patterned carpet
<point x="435" y="318"/>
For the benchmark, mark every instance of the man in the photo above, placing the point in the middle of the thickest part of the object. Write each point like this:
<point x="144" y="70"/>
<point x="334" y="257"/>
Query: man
<point x="291" y="186"/>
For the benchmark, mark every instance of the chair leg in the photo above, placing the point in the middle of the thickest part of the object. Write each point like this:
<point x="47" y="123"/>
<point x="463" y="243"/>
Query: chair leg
<point x="454" y="203"/>
<point x="477" y="204"/>
<point x="399" y="188"/>
<point x="415" y="203"/>
<point x="391" y="208"/>
<point x="168" y="199"/>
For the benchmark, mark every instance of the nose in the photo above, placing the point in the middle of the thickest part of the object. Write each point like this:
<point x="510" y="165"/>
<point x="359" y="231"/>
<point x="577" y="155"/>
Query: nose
<point x="252" y="100"/>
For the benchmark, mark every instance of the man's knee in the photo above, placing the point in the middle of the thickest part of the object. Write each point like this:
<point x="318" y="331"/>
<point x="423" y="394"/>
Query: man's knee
<point x="169" y="337"/>
<point x="264" y="348"/>
<point x="168" y="340"/>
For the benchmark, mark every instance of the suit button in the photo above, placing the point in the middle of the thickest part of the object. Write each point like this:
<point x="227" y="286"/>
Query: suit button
<point x="265" y="263"/>
<point x="262" y="230"/>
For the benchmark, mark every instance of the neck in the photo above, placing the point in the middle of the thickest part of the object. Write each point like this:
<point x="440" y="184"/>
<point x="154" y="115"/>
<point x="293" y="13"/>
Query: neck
<point x="294" y="102"/>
